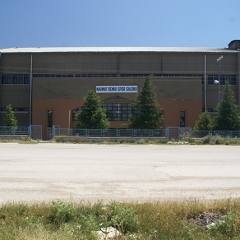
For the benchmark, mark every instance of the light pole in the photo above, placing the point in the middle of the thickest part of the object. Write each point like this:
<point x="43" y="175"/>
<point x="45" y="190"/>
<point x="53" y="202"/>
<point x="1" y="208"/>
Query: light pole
<point x="218" y="81"/>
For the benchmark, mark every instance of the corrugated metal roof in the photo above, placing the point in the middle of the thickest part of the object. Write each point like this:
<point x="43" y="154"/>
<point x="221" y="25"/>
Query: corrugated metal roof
<point x="116" y="49"/>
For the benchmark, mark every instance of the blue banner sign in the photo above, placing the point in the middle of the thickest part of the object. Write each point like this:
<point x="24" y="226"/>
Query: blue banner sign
<point x="116" y="89"/>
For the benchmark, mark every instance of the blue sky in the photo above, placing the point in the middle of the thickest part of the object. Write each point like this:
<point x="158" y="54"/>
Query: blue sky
<point x="163" y="23"/>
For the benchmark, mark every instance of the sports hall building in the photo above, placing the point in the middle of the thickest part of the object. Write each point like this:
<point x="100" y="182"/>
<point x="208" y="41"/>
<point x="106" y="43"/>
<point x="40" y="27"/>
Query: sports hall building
<point x="46" y="86"/>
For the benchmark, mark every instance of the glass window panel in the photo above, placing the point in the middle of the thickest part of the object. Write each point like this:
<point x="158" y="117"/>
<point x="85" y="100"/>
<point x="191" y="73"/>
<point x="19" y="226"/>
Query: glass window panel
<point x="9" y="79"/>
<point x="233" y="80"/>
<point x="3" y="79"/>
<point x="222" y="80"/>
<point x="15" y="79"/>
<point x="50" y="118"/>
<point x="182" y="118"/>
<point x="210" y="79"/>
<point x="26" y="79"/>
<point x="20" y="79"/>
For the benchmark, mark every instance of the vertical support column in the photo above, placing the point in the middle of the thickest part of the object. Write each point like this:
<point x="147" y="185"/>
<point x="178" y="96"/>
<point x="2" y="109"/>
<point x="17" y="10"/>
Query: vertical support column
<point x="238" y="80"/>
<point x="167" y="133"/>
<point x="30" y="97"/>
<point x="205" y="83"/>
<point x="53" y="131"/>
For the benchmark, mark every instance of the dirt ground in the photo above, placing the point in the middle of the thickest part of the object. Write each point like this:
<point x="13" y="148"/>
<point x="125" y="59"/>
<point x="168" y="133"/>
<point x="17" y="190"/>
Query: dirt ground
<point x="92" y="172"/>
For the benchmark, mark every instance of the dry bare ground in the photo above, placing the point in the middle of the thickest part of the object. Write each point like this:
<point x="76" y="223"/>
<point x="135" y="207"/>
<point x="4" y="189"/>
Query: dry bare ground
<point x="91" y="172"/>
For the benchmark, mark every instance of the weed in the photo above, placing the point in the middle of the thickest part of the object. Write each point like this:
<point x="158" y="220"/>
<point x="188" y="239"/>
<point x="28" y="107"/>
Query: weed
<point x="61" y="212"/>
<point x="142" y="221"/>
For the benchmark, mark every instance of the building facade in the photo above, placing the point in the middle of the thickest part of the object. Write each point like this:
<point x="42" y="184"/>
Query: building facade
<point x="46" y="86"/>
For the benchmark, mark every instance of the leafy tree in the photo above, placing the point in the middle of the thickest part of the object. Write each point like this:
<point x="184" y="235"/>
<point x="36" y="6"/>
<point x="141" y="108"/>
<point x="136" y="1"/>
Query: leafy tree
<point x="228" y="114"/>
<point x="10" y="120"/>
<point x="147" y="113"/>
<point x="91" y="115"/>
<point x="204" y="122"/>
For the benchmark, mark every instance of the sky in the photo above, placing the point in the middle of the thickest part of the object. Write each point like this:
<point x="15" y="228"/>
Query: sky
<point x="116" y="23"/>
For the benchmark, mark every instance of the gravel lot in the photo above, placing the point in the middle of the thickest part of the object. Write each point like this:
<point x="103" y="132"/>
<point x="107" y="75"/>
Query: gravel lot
<point x="91" y="172"/>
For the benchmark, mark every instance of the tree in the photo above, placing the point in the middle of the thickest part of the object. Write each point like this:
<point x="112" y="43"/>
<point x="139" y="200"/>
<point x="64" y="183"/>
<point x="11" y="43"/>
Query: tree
<point x="147" y="114"/>
<point x="91" y="115"/>
<point x="10" y="120"/>
<point x="228" y="115"/>
<point x="204" y="122"/>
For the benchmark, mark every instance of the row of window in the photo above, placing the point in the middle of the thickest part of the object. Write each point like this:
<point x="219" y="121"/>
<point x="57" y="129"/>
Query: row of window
<point x="114" y="111"/>
<point x="118" y="111"/>
<point x="122" y="111"/>
<point x="231" y="78"/>
<point x="24" y="78"/>
<point x="16" y="109"/>
<point x="106" y="75"/>
<point x="15" y="79"/>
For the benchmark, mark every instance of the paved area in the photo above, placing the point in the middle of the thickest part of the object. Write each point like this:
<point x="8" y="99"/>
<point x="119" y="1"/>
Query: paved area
<point x="91" y="172"/>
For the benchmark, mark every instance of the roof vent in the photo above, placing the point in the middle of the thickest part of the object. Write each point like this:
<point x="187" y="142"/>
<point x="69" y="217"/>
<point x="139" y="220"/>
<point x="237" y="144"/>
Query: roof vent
<point x="234" y="45"/>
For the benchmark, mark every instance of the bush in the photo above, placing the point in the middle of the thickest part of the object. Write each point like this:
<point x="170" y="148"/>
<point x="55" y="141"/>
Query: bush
<point x="217" y="139"/>
<point x="123" y="217"/>
<point x="61" y="212"/>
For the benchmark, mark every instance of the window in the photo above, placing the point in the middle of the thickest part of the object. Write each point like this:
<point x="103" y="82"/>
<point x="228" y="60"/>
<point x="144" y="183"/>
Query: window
<point x="210" y="79"/>
<point x="49" y="118"/>
<point x="16" y="109"/>
<point x="4" y="79"/>
<point x="20" y="79"/>
<point x="114" y="111"/>
<point x="26" y="80"/>
<point x="233" y="80"/>
<point x="223" y="78"/>
<point x="9" y="79"/>
<point x="182" y="119"/>
<point x="118" y="111"/>
<point x="15" y="79"/>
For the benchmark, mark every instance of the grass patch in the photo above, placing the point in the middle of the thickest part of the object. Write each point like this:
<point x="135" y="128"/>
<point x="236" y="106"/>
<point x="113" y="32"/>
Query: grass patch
<point x="216" y="140"/>
<point x="161" y="220"/>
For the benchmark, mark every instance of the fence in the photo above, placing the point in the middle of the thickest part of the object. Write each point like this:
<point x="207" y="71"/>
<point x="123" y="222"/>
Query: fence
<point x="34" y="131"/>
<point x="179" y="133"/>
<point x="170" y="133"/>
<point x="56" y="131"/>
<point x="222" y="133"/>
<point x="19" y="130"/>
<point x="176" y="133"/>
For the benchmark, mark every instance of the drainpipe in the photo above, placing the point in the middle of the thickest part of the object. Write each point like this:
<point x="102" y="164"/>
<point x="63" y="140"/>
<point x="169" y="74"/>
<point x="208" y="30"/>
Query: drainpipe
<point x="30" y="97"/>
<point x="205" y="83"/>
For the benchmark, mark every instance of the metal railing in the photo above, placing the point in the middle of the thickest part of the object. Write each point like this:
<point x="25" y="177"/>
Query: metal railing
<point x="19" y="130"/>
<point x="222" y="133"/>
<point x="147" y="133"/>
<point x="34" y="131"/>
